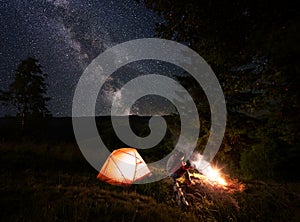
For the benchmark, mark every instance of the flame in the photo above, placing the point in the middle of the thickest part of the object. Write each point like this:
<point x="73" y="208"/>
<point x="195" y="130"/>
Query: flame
<point x="214" y="176"/>
<point x="204" y="167"/>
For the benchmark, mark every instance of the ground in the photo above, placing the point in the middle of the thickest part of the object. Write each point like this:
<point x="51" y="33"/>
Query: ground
<point x="53" y="182"/>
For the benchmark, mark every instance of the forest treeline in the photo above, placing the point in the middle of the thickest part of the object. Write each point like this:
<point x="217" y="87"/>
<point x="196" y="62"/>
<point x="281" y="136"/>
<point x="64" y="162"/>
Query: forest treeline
<point x="253" y="48"/>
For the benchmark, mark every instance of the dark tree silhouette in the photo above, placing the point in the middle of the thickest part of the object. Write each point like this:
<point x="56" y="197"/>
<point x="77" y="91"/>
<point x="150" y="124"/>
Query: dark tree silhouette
<point x="27" y="93"/>
<point x="253" y="48"/>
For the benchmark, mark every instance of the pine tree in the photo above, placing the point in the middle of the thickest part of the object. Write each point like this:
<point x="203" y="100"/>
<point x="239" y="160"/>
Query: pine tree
<point x="27" y="93"/>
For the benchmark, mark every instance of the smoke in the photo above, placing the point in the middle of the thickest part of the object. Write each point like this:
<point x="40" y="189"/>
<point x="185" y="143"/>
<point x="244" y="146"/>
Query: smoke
<point x="204" y="167"/>
<point x="197" y="160"/>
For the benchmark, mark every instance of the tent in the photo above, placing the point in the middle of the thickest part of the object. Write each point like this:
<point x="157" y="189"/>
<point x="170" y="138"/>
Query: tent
<point x="123" y="167"/>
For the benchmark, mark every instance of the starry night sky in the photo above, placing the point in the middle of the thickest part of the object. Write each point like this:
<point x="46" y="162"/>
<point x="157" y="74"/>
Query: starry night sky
<point x="66" y="35"/>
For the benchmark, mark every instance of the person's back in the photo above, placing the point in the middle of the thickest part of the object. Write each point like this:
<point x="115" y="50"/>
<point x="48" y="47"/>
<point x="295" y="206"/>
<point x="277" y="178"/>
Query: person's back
<point x="175" y="162"/>
<point x="183" y="171"/>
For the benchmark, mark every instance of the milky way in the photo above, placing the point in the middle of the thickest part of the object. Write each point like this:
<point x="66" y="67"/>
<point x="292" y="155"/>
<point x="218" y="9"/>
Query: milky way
<point x="65" y="36"/>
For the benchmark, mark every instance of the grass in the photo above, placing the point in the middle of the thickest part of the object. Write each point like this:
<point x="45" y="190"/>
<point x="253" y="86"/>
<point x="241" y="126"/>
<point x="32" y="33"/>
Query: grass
<point x="42" y="182"/>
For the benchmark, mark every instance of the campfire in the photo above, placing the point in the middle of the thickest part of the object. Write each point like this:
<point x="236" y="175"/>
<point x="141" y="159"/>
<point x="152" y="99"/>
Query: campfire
<point x="209" y="175"/>
<point x="209" y="185"/>
<point x="215" y="179"/>
<point x="214" y="176"/>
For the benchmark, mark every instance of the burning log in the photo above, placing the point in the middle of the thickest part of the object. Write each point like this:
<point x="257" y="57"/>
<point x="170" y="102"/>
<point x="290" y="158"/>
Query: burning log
<point x="207" y="187"/>
<point x="207" y="192"/>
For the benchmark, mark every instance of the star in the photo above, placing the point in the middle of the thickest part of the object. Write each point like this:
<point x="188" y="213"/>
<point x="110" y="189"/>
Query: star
<point x="65" y="36"/>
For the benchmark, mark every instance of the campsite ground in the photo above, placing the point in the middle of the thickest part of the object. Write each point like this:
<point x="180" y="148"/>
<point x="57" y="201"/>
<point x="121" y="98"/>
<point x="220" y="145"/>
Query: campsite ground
<point x="49" y="180"/>
<point x="42" y="183"/>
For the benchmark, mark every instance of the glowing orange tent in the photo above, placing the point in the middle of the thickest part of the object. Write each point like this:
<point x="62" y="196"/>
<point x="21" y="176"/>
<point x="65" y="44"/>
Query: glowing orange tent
<point x="123" y="167"/>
